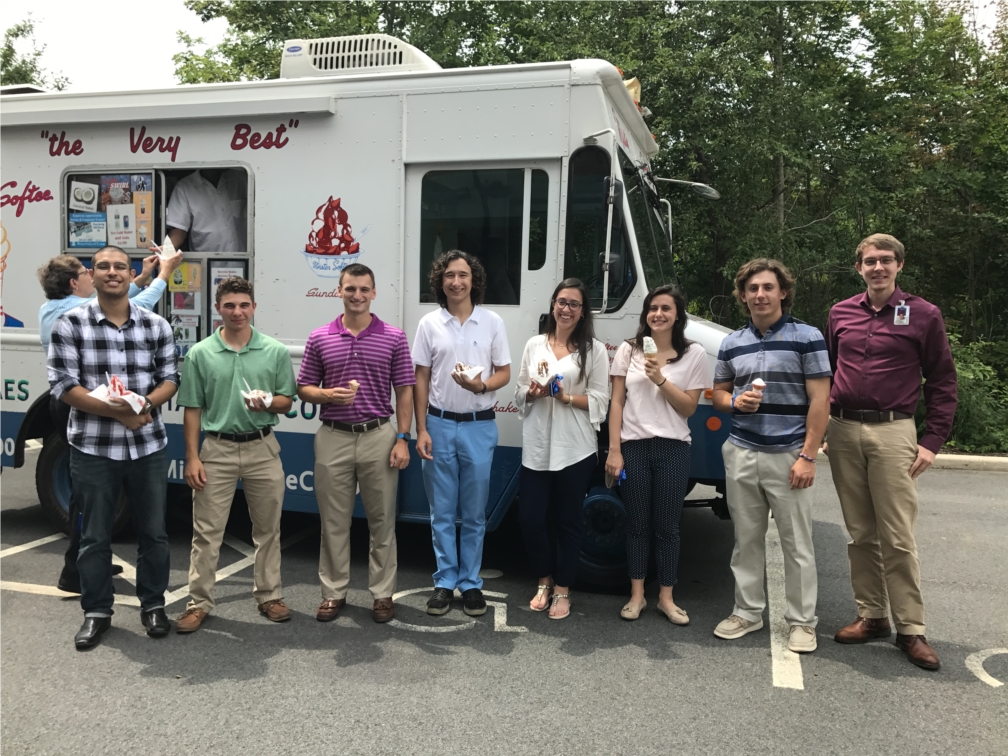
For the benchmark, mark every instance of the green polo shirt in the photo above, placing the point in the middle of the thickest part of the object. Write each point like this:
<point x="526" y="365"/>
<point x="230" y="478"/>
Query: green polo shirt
<point x="214" y="376"/>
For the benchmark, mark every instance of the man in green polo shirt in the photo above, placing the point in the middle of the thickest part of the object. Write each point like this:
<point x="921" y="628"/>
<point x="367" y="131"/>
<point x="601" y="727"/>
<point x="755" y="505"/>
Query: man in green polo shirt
<point x="239" y="445"/>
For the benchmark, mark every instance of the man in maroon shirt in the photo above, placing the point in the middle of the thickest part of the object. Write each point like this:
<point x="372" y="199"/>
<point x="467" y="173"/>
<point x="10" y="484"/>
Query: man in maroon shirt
<point x="881" y="344"/>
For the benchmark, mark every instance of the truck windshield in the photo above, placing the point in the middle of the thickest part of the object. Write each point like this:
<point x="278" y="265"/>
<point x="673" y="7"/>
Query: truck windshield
<point x="645" y="210"/>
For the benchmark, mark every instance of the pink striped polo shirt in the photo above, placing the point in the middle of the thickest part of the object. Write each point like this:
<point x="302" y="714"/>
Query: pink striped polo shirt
<point x="378" y="358"/>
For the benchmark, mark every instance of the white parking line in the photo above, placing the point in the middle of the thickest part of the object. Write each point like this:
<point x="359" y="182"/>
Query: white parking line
<point x="975" y="662"/>
<point x="31" y="545"/>
<point x="48" y="590"/>
<point x="242" y="548"/>
<point x="787" y="671"/>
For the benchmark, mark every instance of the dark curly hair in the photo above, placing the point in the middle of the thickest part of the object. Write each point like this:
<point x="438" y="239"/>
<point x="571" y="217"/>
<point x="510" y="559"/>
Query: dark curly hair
<point x="234" y="285"/>
<point x="437" y="276"/>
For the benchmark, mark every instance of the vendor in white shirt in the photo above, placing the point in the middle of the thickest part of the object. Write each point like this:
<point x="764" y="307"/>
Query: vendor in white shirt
<point x="559" y="440"/>
<point x="210" y="208"/>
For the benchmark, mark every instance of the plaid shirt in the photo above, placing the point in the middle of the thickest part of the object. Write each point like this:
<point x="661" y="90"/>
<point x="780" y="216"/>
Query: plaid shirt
<point x="85" y="346"/>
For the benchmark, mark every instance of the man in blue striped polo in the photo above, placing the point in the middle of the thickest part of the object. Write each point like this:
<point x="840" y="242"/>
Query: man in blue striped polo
<point x="773" y="376"/>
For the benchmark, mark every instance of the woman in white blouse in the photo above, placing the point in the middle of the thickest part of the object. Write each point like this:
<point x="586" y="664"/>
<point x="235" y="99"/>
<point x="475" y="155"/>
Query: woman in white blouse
<point x="560" y="422"/>
<point x="652" y="396"/>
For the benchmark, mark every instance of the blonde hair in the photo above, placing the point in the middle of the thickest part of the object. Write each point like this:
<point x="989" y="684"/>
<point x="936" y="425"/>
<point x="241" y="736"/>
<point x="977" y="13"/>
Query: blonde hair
<point x="884" y="242"/>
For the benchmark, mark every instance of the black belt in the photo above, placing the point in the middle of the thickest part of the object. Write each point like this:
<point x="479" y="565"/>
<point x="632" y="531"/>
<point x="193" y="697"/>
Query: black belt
<point x="461" y="417"/>
<point x="357" y="427"/>
<point x="241" y="438"/>
<point x="869" y="416"/>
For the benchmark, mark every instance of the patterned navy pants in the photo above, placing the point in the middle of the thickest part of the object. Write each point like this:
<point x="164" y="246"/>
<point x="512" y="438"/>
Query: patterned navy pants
<point x="657" y="471"/>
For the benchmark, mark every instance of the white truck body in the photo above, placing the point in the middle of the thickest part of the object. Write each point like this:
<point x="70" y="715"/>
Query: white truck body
<point x="370" y="139"/>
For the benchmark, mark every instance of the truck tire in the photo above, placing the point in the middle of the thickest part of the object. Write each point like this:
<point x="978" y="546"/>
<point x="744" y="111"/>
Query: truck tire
<point x="603" y="564"/>
<point x="52" y="482"/>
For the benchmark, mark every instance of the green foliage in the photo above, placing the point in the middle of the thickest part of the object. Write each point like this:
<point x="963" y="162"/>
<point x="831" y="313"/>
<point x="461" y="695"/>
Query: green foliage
<point x="25" y="69"/>
<point x="981" y="421"/>
<point x="819" y="123"/>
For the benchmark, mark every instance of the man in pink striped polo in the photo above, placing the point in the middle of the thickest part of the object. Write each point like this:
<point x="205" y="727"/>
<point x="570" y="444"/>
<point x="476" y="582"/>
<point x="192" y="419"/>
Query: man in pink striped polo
<point x="350" y="369"/>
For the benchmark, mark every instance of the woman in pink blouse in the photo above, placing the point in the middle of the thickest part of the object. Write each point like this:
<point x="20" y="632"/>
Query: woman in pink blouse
<point x="652" y="396"/>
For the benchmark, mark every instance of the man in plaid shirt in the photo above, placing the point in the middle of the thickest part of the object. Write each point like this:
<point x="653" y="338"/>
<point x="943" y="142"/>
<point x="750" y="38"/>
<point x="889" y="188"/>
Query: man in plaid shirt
<point x="111" y="445"/>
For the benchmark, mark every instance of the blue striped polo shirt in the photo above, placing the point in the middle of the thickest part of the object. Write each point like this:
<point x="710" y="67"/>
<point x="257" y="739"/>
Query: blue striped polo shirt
<point x="789" y="353"/>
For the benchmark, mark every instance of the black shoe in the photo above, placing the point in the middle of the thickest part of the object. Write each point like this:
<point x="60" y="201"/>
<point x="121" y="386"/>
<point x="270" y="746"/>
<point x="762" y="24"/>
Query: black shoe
<point x="91" y="632"/>
<point x="473" y="602"/>
<point x="69" y="581"/>
<point x="156" y="622"/>
<point x="117" y="569"/>
<point x="440" y="601"/>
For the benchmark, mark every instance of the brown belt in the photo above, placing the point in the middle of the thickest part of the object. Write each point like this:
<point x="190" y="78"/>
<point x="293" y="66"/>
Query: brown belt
<point x="869" y="416"/>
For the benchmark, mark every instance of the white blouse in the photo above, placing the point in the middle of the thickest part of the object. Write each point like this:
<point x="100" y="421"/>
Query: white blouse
<point x="555" y="435"/>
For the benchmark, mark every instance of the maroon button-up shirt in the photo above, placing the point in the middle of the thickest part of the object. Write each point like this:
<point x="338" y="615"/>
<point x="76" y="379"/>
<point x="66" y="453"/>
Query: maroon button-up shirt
<point x="878" y="365"/>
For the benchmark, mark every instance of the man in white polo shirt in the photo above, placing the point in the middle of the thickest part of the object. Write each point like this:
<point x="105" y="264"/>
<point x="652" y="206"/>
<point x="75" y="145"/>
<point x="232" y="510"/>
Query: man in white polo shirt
<point x="210" y="207"/>
<point x="456" y="430"/>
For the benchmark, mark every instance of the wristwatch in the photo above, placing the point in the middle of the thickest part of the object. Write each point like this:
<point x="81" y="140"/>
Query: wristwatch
<point x="147" y="407"/>
<point x="483" y="390"/>
<point x="405" y="436"/>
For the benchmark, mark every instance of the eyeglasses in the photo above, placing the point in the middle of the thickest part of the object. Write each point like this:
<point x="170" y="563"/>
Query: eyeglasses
<point x="871" y="262"/>
<point x="572" y="306"/>
<point x="121" y="267"/>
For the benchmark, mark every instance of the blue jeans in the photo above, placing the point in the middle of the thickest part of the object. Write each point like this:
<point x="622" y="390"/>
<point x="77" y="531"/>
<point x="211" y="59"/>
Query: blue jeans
<point x="96" y="484"/>
<point x="457" y="482"/>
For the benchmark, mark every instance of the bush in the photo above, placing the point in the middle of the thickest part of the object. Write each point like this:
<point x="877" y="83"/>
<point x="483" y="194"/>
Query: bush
<point x="981" y="419"/>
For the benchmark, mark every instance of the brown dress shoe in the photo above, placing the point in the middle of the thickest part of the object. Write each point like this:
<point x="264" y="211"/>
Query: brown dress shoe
<point x="383" y="610"/>
<point x="329" y="609"/>
<point x="864" y="629"/>
<point x="190" y="620"/>
<point x="275" y="610"/>
<point x="917" y="650"/>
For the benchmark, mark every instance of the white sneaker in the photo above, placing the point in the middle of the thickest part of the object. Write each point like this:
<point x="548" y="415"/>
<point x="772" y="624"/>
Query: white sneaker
<point x="735" y="627"/>
<point x="802" y="639"/>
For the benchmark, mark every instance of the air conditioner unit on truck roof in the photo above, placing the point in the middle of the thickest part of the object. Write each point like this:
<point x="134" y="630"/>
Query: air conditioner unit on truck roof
<point x="338" y="56"/>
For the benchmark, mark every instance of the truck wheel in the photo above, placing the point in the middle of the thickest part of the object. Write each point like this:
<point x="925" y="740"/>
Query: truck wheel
<point x="603" y="564"/>
<point x="52" y="482"/>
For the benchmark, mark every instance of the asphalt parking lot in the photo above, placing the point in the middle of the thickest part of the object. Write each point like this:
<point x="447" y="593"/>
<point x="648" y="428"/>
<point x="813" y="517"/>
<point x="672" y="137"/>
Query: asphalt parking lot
<point x="512" y="681"/>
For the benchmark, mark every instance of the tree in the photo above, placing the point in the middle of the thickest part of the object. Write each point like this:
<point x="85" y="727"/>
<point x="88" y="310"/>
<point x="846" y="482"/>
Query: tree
<point x="26" y="69"/>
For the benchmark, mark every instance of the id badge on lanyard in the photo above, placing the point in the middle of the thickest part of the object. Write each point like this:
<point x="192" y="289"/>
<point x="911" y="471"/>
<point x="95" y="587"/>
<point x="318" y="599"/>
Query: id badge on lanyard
<point x="902" y="316"/>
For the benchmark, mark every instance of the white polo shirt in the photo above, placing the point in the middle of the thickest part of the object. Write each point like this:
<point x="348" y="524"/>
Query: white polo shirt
<point x="441" y="342"/>
<point x="214" y="217"/>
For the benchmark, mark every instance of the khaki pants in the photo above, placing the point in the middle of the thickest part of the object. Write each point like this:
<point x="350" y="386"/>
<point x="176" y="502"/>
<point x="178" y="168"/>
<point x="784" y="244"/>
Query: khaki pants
<point x="343" y="461"/>
<point x="871" y="471"/>
<point x="757" y="484"/>
<point x="257" y="464"/>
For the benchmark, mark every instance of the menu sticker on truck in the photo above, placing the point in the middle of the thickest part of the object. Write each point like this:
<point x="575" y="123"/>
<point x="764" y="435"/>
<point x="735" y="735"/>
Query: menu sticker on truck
<point x="83" y="196"/>
<point x="121" y="224"/>
<point x="187" y="277"/>
<point x="143" y="209"/>
<point x="87" y="230"/>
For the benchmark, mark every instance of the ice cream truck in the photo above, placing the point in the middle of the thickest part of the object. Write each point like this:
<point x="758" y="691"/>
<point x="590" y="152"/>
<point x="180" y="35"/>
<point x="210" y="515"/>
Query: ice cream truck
<point x="364" y="150"/>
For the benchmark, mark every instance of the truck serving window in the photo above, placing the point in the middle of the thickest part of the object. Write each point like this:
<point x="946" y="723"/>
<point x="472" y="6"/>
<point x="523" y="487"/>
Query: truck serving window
<point x="480" y="212"/>
<point x="645" y="210"/>
<point x="587" y="213"/>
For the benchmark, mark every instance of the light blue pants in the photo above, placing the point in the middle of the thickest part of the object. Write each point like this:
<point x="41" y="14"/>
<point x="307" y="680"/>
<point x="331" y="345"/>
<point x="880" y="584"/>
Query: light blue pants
<point x="457" y="482"/>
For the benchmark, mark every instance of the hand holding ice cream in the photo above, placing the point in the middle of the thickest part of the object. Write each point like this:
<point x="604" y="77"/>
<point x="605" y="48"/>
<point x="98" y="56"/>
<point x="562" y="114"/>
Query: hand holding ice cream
<point x="749" y="401"/>
<point x="651" y="367"/>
